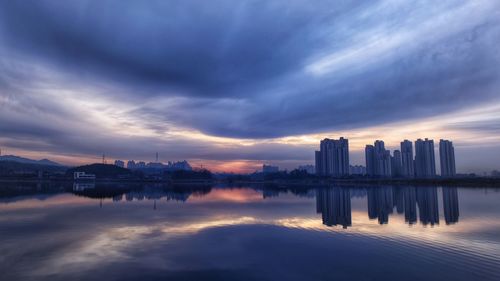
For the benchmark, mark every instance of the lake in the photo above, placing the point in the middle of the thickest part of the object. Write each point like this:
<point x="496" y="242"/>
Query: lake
<point x="153" y="232"/>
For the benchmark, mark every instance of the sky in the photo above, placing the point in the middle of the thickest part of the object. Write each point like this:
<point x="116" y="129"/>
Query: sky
<point x="231" y="85"/>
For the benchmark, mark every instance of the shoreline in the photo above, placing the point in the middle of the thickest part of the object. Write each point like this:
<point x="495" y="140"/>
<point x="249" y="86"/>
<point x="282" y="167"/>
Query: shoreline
<point x="457" y="182"/>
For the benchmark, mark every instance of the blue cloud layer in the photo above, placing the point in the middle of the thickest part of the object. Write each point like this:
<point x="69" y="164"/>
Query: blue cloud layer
<point x="253" y="69"/>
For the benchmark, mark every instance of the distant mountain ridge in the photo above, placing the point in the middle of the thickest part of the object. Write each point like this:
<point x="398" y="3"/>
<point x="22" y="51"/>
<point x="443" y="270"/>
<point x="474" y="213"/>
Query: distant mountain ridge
<point x="18" y="159"/>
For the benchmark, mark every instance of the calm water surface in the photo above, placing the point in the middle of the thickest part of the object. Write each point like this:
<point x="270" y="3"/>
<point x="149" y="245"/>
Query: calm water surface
<point x="87" y="232"/>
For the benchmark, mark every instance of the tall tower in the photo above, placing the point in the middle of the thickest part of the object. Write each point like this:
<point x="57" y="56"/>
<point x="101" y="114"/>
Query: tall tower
<point x="333" y="157"/>
<point x="378" y="160"/>
<point x="407" y="169"/>
<point x="370" y="160"/>
<point x="447" y="158"/>
<point x="425" y="163"/>
<point x="318" y="163"/>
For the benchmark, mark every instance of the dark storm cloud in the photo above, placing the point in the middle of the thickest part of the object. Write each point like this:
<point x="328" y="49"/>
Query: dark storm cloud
<point x="254" y="51"/>
<point x="242" y="69"/>
<point x="216" y="48"/>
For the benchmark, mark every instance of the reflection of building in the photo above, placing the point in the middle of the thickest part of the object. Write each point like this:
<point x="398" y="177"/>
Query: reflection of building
<point x="398" y="199"/>
<point x="447" y="158"/>
<point x="380" y="203"/>
<point x="450" y="204"/>
<point x="425" y="163"/>
<point x="410" y="202"/>
<point x="334" y="204"/>
<point x="269" y="193"/>
<point x="333" y="158"/>
<point x="79" y="186"/>
<point x="427" y="202"/>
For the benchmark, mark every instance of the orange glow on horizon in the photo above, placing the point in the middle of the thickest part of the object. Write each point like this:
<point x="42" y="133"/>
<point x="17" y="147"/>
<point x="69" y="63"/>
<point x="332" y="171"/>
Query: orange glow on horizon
<point x="446" y="126"/>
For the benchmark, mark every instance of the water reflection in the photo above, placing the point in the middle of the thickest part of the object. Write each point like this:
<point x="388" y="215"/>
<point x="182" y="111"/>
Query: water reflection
<point x="333" y="203"/>
<point x="78" y="186"/>
<point x="57" y="231"/>
<point x="427" y="202"/>
<point x="450" y="205"/>
<point x="410" y="204"/>
<point x="380" y="203"/>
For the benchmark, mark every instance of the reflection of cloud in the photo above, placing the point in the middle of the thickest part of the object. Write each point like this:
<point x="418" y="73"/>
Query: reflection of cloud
<point x="119" y="233"/>
<point x="115" y="244"/>
<point x="111" y="245"/>
<point x="212" y="223"/>
<point x="28" y="202"/>
<point x="228" y="195"/>
<point x="398" y="231"/>
<point x="104" y="247"/>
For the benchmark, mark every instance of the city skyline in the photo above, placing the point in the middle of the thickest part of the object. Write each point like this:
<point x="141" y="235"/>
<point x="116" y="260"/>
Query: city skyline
<point x="247" y="83"/>
<point x="399" y="162"/>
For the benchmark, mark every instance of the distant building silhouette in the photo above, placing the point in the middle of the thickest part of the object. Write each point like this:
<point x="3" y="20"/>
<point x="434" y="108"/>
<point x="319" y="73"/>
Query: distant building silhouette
<point x="334" y="204"/>
<point x="407" y="162"/>
<point x="447" y="158"/>
<point x="450" y="205"/>
<point x="308" y="168"/>
<point x="357" y="170"/>
<point x="270" y="169"/>
<point x="370" y="160"/>
<point x="333" y="158"/>
<point x="425" y="163"/>
<point x="120" y="163"/>
<point x="157" y="166"/>
<point x="131" y="164"/>
<point x="318" y="163"/>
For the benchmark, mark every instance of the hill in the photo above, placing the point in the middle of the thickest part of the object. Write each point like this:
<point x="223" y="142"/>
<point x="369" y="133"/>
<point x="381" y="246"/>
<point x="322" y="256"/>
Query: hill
<point x="13" y="158"/>
<point x="101" y="171"/>
<point x="13" y="167"/>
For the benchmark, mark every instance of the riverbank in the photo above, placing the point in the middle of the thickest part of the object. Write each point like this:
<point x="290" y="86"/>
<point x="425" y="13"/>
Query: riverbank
<point x="456" y="182"/>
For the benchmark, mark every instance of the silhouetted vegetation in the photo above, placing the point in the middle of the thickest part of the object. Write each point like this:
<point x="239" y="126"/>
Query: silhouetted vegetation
<point x="191" y="175"/>
<point x="284" y="175"/>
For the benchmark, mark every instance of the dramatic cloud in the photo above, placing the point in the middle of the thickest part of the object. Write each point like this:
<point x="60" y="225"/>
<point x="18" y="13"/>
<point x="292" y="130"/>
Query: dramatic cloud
<point x="232" y="80"/>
